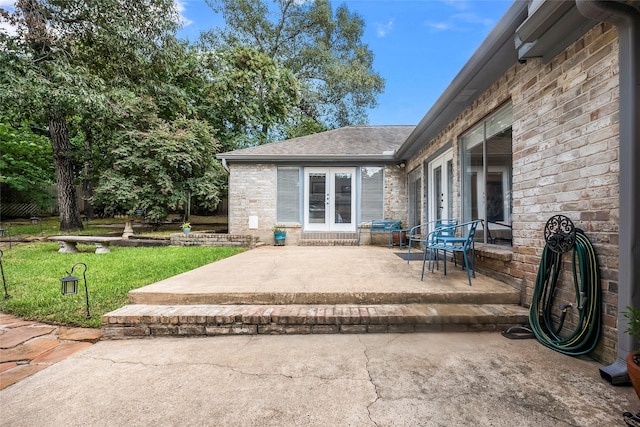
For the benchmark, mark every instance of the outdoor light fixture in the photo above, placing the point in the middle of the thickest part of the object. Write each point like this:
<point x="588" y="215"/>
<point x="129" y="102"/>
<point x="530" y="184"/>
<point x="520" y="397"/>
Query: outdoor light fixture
<point x="4" y="283"/>
<point x="35" y="220"/>
<point x="70" y="284"/>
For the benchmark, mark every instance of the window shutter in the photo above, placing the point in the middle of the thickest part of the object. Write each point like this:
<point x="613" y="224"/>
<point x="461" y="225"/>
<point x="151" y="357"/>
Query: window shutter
<point x="288" y="199"/>
<point x="372" y="194"/>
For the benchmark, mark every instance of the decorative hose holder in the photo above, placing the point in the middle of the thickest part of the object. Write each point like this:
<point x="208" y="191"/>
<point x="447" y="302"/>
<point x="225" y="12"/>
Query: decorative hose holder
<point x="560" y="234"/>
<point x="547" y="315"/>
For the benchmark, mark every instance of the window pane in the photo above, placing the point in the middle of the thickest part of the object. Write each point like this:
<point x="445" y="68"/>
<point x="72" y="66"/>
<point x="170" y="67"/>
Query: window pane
<point x="498" y="122"/>
<point x="487" y="176"/>
<point x="288" y="198"/>
<point x="372" y="193"/>
<point x="472" y="188"/>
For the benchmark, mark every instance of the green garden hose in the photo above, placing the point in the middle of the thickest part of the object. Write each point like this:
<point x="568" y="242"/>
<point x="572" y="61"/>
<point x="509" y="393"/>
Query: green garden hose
<point x="586" y="280"/>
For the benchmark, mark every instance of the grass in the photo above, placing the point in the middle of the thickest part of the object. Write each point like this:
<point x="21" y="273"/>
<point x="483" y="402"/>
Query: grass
<point x="33" y="271"/>
<point x="50" y="226"/>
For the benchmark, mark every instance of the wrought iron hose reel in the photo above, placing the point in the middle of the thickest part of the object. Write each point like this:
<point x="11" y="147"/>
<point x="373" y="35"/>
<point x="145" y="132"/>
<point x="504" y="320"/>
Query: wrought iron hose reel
<point x="560" y="234"/>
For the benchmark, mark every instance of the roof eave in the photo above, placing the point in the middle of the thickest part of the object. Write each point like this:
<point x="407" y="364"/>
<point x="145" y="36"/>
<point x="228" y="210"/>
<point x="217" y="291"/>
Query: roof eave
<point x="494" y="56"/>
<point x="389" y="158"/>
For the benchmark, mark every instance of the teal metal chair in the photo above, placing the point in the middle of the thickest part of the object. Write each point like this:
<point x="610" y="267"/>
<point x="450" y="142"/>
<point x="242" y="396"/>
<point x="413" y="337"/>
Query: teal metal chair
<point x="458" y="238"/>
<point x="419" y="233"/>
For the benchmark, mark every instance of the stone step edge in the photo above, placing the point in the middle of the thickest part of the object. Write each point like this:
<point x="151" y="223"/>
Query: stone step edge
<point x="204" y="320"/>
<point x="327" y="242"/>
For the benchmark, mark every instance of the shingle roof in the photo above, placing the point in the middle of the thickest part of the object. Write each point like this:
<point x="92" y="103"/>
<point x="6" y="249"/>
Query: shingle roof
<point x="348" y="143"/>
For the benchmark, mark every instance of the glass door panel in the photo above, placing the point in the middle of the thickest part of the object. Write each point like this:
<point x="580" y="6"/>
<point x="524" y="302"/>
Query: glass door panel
<point x="342" y="192"/>
<point x="317" y="211"/>
<point x="437" y="192"/>
<point x="440" y="188"/>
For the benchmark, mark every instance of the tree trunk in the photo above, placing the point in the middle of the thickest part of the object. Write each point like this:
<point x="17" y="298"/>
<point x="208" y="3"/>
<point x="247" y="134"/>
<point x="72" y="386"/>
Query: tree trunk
<point x="67" y="202"/>
<point x="87" y="183"/>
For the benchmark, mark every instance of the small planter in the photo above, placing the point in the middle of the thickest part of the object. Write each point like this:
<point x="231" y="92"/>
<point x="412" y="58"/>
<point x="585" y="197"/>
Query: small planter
<point x="633" y="369"/>
<point x="186" y="227"/>
<point x="280" y="237"/>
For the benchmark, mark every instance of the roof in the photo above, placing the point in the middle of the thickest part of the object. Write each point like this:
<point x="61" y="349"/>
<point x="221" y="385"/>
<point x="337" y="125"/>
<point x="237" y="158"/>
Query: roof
<point x="352" y="143"/>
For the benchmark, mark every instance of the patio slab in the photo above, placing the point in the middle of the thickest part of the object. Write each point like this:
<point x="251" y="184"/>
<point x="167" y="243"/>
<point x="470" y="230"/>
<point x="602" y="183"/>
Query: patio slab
<point x="322" y="275"/>
<point x="433" y="379"/>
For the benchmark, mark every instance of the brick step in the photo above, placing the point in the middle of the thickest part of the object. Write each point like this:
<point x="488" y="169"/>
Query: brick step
<point x="328" y="242"/>
<point x="141" y="320"/>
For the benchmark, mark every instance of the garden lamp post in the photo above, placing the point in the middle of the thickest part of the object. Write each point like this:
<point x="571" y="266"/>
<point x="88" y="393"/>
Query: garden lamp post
<point x="4" y="283"/>
<point x="70" y="284"/>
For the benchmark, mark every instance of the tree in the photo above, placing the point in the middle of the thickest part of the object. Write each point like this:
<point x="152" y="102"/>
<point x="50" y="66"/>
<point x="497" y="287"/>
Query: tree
<point x="322" y="49"/>
<point x="157" y="170"/>
<point x="49" y="74"/>
<point x="248" y="94"/>
<point x="25" y="161"/>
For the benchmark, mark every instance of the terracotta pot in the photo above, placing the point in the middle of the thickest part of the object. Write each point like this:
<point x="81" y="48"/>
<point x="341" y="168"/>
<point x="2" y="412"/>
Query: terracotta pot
<point x="633" y="368"/>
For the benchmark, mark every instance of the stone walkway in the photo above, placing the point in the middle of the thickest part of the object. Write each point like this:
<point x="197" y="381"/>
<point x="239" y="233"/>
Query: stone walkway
<point x="27" y="347"/>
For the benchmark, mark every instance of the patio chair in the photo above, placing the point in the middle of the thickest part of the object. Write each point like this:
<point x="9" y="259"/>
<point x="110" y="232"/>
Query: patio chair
<point x="465" y="243"/>
<point x="420" y="232"/>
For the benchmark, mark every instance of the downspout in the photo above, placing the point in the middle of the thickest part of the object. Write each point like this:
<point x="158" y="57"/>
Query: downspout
<point x="627" y="21"/>
<point x="225" y="166"/>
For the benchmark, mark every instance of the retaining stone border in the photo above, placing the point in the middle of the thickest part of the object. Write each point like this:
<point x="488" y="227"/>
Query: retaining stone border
<point x="213" y="239"/>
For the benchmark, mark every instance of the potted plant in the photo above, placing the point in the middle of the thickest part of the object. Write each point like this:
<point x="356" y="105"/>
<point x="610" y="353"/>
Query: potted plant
<point x="633" y="359"/>
<point x="186" y="227"/>
<point x="279" y="235"/>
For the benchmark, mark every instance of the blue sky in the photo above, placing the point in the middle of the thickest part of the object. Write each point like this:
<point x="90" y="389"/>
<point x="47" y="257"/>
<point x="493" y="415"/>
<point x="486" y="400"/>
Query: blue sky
<point x="419" y="46"/>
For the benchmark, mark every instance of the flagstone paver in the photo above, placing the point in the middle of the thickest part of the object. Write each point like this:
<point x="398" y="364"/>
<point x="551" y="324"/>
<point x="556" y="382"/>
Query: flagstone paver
<point x="27" y="347"/>
<point x="14" y="375"/>
<point x="29" y="350"/>
<point x="60" y="352"/>
<point x="19" y="335"/>
<point x="79" y="334"/>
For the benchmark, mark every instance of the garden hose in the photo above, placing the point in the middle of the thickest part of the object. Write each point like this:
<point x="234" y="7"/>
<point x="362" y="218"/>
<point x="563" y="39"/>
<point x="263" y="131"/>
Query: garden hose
<point x="563" y="237"/>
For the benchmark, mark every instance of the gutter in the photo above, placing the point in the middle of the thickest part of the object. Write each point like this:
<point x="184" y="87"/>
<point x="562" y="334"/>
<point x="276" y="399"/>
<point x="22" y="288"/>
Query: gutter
<point x="627" y="21"/>
<point x="493" y="57"/>
<point x="387" y="158"/>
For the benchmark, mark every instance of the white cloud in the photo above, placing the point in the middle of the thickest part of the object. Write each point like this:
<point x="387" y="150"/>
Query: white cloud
<point x="458" y="4"/>
<point x="462" y="22"/>
<point x="438" y="26"/>
<point x="384" y="29"/>
<point x="180" y="8"/>
<point x="5" y="27"/>
<point x="473" y="18"/>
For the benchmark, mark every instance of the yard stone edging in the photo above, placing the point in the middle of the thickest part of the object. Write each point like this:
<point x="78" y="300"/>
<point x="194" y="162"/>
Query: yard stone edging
<point x="213" y="239"/>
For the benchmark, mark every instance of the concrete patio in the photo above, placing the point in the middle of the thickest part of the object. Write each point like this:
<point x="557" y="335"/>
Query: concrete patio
<point x="296" y="289"/>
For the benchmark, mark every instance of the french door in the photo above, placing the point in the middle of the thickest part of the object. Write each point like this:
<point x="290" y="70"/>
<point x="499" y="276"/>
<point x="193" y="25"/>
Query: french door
<point x="329" y="199"/>
<point x="440" y="188"/>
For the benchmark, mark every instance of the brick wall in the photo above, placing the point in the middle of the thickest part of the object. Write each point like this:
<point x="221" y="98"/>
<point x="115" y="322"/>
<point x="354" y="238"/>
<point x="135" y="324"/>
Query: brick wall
<point x="565" y="161"/>
<point x="395" y="194"/>
<point x="565" y="158"/>
<point x="253" y="188"/>
<point x="252" y="192"/>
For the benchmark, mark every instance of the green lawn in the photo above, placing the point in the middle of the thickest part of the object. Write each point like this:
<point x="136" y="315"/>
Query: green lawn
<point x="33" y="271"/>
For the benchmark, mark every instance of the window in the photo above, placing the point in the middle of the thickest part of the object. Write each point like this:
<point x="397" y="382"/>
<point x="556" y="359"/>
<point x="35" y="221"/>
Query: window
<point x="288" y="198"/>
<point x="486" y="177"/>
<point x="372" y="193"/>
